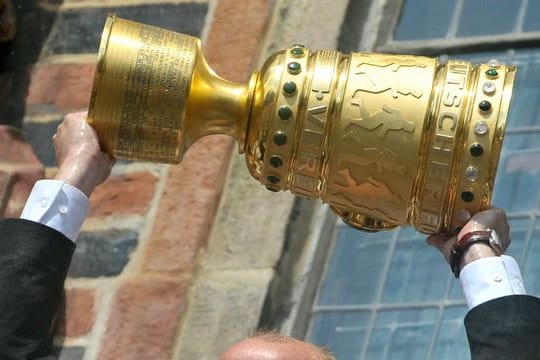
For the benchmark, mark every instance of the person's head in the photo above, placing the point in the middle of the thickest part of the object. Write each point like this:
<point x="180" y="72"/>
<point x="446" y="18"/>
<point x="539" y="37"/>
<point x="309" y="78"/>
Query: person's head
<point x="273" y="346"/>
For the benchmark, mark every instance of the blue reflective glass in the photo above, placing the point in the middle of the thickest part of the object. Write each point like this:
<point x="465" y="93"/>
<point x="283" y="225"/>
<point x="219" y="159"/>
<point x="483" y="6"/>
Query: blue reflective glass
<point x="525" y="109"/>
<point x="532" y="18"/>
<point x="482" y="17"/>
<point x="415" y="273"/>
<point x="424" y="19"/>
<point x="519" y="234"/>
<point x="343" y="333"/>
<point x="518" y="180"/>
<point x="354" y="272"/>
<point x="531" y="271"/>
<point x="451" y="342"/>
<point x="403" y="334"/>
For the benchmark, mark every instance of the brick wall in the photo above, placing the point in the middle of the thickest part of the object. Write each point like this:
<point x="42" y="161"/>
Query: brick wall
<point x="138" y="257"/>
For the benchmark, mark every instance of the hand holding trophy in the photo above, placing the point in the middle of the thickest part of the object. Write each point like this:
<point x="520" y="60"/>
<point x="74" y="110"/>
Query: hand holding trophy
<point x="385" y="140"/>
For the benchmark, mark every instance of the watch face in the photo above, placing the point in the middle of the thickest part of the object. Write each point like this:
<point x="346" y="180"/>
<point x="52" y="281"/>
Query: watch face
<point x="495" y="241"/>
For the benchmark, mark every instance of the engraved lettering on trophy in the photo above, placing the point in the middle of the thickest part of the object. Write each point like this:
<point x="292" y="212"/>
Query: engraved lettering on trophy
<point x="450" y="116"/>
<point x="452" y="97"/>
<point x="307" y="164"/>
<point x="430" y="220"/>
<point x="314" y="116"/>
<point x="324" y="62"/>
<point x="378" y="79"/>
<point x="434" y="192"/>
<point x="443" y="143"/>
<point x="387" y="119"/>
<point x="438" y="171"/>
<point x="310" y="148"/>
<point x="320" y="94"/>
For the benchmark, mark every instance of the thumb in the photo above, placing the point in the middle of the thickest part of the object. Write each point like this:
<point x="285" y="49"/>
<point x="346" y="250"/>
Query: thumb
<point x="443" y="243"/>
<point x="437" y="240"/>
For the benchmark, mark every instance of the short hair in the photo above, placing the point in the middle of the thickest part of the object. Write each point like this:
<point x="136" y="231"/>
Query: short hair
<point x="323" y="353"/>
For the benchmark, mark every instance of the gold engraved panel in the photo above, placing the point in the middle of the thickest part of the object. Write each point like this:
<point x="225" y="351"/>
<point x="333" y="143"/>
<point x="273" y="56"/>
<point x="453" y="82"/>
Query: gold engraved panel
<point x="450" y="113"/>
<point x="143" y="90"/>
<point x="374" y="158"/>
<point x="313" y="130"/>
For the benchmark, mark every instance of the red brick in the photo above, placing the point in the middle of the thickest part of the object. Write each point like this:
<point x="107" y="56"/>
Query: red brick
<point x="78" y="314"/>
<point x="187" y="206"/>
<point x="64" y="86"/>
<point x="123" y="195"/>
<point x="143" y="319"/>
<point x="237" y="28"/>
<point x="19" y="161"/>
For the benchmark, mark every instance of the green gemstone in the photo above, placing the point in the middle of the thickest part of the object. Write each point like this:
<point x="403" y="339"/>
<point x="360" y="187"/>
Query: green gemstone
<point x="280" y="138"/>
<point x="289" y="88"/>
<point x="276" y="161"/>
<point x="297" y="51"/>
<point x="492" y="72"/>
<point x="294" y="67"/>
<point x="284" y="113"/>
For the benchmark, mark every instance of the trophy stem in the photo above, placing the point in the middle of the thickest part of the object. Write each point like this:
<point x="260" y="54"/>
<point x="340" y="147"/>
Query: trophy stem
<point x="217" y="106"/>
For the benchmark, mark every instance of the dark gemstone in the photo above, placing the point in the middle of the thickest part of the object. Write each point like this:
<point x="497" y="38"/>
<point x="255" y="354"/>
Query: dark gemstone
<point x="273" y="179"/>
<point x="271" y="188"/>
<point x="484" y="105"/>
<point x="297" y="51"/>
<point x="492" y="72"/>
<point x="276" y="161"/>
<point x="476" y="150"/>
<point x="467" y="196"/>
<point x="284" y="113"/>
<point x="294" y="67"/>
<point x="289" y="88"/>
<point x="280" y="138"/>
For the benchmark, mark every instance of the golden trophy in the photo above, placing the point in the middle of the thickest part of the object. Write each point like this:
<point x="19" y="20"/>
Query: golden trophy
<point x="385" y="140"/>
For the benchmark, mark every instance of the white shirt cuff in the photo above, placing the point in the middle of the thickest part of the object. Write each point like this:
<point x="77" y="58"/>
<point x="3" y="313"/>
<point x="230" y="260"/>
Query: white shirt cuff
<point x="58" y="205"/>
<point x="490" y="278"/>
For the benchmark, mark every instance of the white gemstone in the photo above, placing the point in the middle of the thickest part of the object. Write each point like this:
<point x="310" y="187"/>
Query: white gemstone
<point x="62" y="209"/>
<point x="463" y="216"/>
<point x="481" y="127"/>
<point x="494" y="63"/>
<point x="472" y="173"/>
<point x="488" y="87"/>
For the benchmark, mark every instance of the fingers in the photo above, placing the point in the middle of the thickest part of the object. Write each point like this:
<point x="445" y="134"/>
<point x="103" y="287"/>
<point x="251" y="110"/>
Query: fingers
<point x="494" y="219"/>
<point x="81" y="162"/>
<point x="443" y="243"/>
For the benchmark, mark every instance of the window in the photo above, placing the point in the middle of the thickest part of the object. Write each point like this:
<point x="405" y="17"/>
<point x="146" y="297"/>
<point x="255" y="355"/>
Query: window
<point x="388" y="295"/>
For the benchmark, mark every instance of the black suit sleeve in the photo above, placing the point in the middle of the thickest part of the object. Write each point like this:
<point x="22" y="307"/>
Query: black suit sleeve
<point x="34" y="260"/>
<point x="505" y="328"/>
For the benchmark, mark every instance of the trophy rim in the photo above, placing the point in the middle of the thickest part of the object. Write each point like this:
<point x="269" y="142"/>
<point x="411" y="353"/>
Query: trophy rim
<point x="104" y="44"/>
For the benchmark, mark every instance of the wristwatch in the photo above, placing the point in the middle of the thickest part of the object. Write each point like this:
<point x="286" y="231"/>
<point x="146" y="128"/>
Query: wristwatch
<point x="488" y="237"/>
